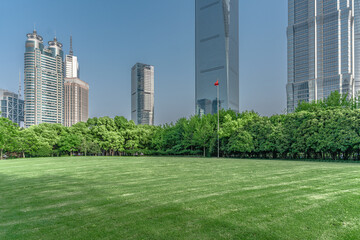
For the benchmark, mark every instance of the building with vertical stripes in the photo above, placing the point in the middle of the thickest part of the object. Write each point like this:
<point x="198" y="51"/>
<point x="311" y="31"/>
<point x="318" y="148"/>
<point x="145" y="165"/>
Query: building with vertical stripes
<point x="142" y="94"/>
<point x="323" y="49"/>
<point x="43" y="81"/>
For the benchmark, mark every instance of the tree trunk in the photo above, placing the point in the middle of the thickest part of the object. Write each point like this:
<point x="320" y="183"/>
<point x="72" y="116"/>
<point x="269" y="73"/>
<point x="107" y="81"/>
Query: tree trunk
<point x="23" y="154"/>
<point x="1" y="155"/>
<point x="204" y="152"/>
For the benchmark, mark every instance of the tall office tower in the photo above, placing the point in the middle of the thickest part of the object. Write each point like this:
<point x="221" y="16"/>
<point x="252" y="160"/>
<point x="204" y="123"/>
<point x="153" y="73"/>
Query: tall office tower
<point x="323" y="49"/>
<point x="43" y="81"/>
<point x="216" y="55"/>
<point x="12" y="107"/>
<point x="142" y="94"/>
<point x="76" y="92"/>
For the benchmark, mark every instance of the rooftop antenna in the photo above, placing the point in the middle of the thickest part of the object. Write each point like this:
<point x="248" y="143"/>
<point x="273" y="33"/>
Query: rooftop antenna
<point x="71" y="49"/>
<point x="34" y="27"/>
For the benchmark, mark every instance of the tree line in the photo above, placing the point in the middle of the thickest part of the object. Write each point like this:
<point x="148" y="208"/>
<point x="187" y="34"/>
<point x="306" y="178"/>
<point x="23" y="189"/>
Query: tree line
<point x="328" y="129"/>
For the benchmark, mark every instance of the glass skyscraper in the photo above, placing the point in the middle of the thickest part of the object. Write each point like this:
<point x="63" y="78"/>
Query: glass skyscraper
<point x="323" y="49"/>
<point x="142" y="94"/>
<point x="43" y="82"/>
<point x="216" y="54"/>
<point x="11" y="106"/>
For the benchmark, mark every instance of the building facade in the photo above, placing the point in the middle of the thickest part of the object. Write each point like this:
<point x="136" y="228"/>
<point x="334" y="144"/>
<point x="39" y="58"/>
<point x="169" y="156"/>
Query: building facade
<point x="216" y="55"/>
<point x="323" y="49"/>
<point x="43" y="81"/>
<point x="76" y="101"/>
<point x="72" y="68"/>
<point x="142" y="94"/>
<point x="12" y="107"/>
<point x="76" y="92"/>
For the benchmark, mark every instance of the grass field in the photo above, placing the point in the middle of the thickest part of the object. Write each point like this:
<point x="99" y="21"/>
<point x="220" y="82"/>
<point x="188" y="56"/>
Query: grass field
<point x="178" y="198"/>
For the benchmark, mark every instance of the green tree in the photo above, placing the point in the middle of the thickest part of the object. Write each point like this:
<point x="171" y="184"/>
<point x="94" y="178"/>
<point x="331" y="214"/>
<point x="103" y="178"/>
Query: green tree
<point x="27" y="142"/>
<point x="8" y="133"/>
<point x="204" y="134"/>
<point x="235" y="138"/>
<point x="69" y="143"/>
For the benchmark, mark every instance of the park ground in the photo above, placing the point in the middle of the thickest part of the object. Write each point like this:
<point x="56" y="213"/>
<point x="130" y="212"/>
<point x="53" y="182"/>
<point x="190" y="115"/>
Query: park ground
<point x="178" y="198"/>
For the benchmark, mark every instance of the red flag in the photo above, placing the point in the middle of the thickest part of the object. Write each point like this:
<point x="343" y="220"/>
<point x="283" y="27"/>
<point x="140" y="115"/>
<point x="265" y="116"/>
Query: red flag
<point x="217" y="83"/>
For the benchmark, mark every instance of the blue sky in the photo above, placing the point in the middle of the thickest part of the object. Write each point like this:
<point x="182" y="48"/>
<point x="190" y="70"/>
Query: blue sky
<point x="110" y="36"/>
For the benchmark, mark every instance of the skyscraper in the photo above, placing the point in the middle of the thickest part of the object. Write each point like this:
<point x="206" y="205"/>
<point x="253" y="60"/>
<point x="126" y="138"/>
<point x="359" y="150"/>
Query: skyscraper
<point x="323" y="49"/>
<point x="76" y="92"/>
<point x="216" y="54"/>
<point x="43" y="81"/>
<point x="11" y="106"/>
<point x="142" y="94"/>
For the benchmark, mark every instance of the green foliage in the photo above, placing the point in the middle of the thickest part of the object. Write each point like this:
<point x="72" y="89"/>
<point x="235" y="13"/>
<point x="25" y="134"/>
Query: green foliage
<point x="44" y="150"/>
<point x="69" y="143"/>
<point x="27" y="142"/>
<point x="235" y="137"/>
<point x="335" y="100"/>
<point x="8" y="134"/>
<point x="328" y="129"/>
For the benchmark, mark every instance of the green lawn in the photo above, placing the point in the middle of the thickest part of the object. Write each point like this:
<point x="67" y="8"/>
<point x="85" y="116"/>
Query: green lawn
<point x="178" y="198"/>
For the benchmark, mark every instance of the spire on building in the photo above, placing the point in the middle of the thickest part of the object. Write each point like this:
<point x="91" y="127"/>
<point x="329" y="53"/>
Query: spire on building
<point x="71" y="49"/>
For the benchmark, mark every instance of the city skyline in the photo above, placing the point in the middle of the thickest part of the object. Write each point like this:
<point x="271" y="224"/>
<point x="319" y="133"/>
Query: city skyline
<point x="109" y="64"/>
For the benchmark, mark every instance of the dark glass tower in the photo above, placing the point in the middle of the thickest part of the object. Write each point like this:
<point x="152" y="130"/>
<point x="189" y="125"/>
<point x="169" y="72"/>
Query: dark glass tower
<point x="216" y="54"/>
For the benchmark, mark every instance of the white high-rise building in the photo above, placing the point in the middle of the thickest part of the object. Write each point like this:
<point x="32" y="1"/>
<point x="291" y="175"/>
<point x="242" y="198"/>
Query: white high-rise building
<point x="43" y="81"/>
<point x="323" y="49"/>
<point x="142" y="94"/>
<point x="72" y="69"/>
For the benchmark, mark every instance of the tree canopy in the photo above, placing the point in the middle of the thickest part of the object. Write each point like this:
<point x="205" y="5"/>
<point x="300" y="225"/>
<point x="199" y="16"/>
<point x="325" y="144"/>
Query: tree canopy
<point x="327" y="129"/>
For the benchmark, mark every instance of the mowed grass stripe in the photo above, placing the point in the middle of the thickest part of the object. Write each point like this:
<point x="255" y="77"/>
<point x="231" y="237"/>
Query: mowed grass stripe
<point x="177" y="198"/>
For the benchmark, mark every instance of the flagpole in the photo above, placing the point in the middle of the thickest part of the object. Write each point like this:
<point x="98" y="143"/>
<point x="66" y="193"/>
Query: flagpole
<point x="218" y="108"/>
